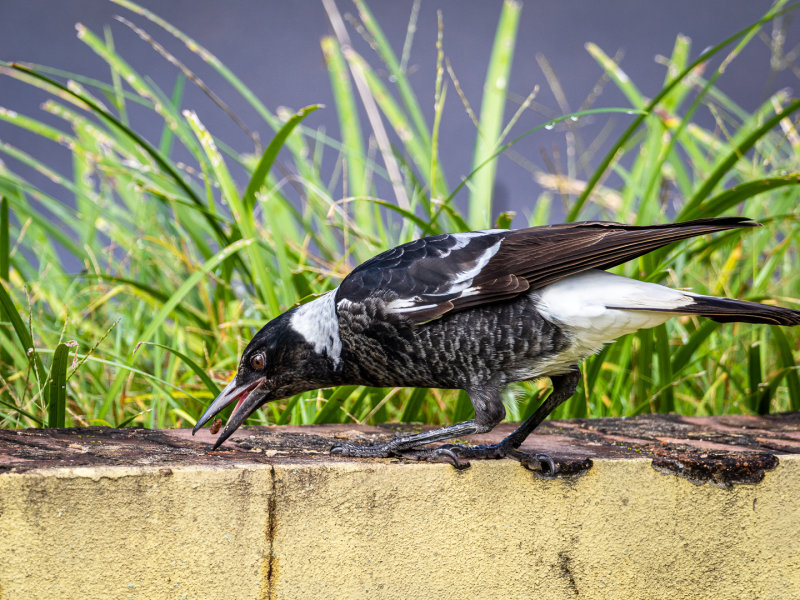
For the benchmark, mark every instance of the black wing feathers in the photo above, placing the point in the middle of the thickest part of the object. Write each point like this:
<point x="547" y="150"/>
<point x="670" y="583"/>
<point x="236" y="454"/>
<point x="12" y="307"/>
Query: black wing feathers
<point x="429" y="277"/>
<point x="729" y="310"/>
<point x="543" y="255"/>
<point x="424" y="268"/>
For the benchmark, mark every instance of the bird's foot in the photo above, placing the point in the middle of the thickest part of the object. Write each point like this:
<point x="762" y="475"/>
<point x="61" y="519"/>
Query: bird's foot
<point x="458" y="455"/>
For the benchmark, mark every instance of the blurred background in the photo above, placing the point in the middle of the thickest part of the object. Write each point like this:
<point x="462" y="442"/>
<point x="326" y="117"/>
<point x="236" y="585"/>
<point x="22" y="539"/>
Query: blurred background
<point x="163" y="194"/>
<point x="274" y="47"/>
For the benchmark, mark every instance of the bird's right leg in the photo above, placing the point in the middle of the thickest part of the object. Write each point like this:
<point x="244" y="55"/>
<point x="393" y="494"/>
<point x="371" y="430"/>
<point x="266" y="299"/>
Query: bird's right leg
<point x="563" y="388"/>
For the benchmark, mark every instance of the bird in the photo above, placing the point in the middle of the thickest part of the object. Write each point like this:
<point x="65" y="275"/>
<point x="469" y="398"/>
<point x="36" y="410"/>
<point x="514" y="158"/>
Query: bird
<point x="475" y="311"/>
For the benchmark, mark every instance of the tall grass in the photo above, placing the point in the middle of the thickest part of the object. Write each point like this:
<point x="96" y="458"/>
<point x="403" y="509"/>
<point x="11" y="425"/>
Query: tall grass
<point x="182" y="263"/>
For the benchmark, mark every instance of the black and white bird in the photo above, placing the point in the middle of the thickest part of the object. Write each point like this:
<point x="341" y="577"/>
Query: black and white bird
<point x="474" y="311"/>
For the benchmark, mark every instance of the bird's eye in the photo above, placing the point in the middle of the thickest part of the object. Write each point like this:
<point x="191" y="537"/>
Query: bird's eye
<point x="258" y="361"/>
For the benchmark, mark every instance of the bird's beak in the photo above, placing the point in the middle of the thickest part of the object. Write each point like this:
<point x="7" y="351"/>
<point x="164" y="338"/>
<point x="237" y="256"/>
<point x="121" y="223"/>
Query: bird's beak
<point x="249" y="397"/>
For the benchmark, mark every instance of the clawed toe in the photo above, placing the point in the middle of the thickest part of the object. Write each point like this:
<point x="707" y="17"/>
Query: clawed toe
<point x="542" y="464"/>
<point x="448" y="455"/>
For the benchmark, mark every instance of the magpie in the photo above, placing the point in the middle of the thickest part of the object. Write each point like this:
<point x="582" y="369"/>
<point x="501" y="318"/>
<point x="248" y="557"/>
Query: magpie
<point x="475" y="311"/>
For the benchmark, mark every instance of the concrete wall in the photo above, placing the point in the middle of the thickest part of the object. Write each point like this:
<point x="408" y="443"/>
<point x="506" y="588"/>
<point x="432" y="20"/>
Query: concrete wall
<point x="382" y="529"/>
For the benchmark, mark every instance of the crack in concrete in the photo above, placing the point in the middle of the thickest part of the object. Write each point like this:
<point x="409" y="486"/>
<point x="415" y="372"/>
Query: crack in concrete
<point x="272" y="526"/>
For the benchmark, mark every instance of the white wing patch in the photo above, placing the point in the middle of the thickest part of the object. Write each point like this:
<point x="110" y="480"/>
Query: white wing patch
<point x="317" y="322"/>
<point x="404" y="305"/>
<point x="464" y="279"/>
<point x="459" y="283"/>
<point x="462" y="239"/>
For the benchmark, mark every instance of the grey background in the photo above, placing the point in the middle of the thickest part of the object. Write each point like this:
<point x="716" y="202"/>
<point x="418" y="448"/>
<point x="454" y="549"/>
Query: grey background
<point x="274" y="47"/>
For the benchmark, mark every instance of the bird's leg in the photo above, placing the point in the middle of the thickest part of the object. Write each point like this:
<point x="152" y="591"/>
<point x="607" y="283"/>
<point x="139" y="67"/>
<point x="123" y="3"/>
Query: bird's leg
<point x="563" y="388"/>
<point x="399" y="445"/>
<point x="489" y="411"/>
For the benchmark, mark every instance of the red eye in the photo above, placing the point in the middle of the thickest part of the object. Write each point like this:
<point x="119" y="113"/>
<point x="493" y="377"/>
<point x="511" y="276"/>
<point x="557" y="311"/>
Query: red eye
<point x="258" y="361"/>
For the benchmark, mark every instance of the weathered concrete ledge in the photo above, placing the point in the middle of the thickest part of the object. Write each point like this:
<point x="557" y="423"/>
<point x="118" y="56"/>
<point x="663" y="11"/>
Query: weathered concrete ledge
<point x="649" y="507"/>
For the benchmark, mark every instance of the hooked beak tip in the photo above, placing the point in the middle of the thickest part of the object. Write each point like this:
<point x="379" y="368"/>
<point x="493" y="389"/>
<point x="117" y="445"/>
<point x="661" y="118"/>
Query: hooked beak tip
<point x="248" y="400"/>
<point x="225" y="397"/>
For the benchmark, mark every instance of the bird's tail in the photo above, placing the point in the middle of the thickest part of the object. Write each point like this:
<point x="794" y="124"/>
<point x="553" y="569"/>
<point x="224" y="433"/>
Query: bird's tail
<point x="728" y="310"/>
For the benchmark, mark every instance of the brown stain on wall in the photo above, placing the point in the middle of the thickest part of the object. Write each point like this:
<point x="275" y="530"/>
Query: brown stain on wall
<point x="269" y="567"/>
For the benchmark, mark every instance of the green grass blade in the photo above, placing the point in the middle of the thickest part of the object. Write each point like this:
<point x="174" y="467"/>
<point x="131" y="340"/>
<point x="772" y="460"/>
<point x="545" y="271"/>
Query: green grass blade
<point x="495" y="89"/>
<point x="425" y="228"/>
<point x="463" y="407"/>
<point x="131" y="419"/>
<point x="739" y="193"/>
<point x="677" y="62"/>
<point x="103" y="87"/>
<point x="634" y="126"/>
<point x="732" y="158"/>
<point x="418" y="148"/>
<point x="37" y="127"/>
<point x="437" y="190"/>
<point x="212" y="387"/>
<point x="666" y="399"/>
<point x="4" y="247"/>
<point x="411" y="410"/>
<point x="191" y="282"/>
<point x="270" y="154"/>
<point x="332" y="406"/>
<point x="617" y="75"/>
<point x="787" y="361"/>
<point x="23" y="412"/>
<point x="242" y="217"/>
<point x="165" y="145"/>
<point x="9" y="313"/>
<point x="644" y="365"/>
<point x="389" y="58"/>
<point x="57" y="397"/>
<point x="684" y="354"/>
<point x="758" y="399"/>
<point x="118" y="96"/>
<point x="347" y="112"/>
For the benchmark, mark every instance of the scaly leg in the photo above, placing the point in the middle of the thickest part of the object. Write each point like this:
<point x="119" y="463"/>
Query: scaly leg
<point x="399" y="445"/>
<point x="563" y="388"/>
<point x="489" y="411"/>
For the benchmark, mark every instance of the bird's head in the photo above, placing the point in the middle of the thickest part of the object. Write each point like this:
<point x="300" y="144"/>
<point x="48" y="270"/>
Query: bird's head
<point x="278" y="362"/>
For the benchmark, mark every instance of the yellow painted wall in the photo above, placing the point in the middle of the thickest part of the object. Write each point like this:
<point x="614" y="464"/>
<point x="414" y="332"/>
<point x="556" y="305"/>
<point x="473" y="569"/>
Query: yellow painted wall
<point x="355" y="529"/>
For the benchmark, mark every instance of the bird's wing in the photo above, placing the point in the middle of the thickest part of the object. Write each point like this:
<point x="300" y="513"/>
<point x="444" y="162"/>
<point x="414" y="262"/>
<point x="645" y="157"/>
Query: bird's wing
<point x="426" y="278"/>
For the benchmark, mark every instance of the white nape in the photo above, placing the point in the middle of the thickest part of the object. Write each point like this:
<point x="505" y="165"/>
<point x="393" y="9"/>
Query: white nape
<point x="317" y="322"/>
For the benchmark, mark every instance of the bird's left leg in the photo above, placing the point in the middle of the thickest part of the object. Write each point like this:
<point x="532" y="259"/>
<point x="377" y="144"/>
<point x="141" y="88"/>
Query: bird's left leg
<point x="489" y="411"/>
<point x="563" y="388"/>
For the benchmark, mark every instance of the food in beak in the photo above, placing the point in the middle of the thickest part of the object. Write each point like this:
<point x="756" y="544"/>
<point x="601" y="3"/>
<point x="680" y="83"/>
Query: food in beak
<point x="232" y="392"/>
